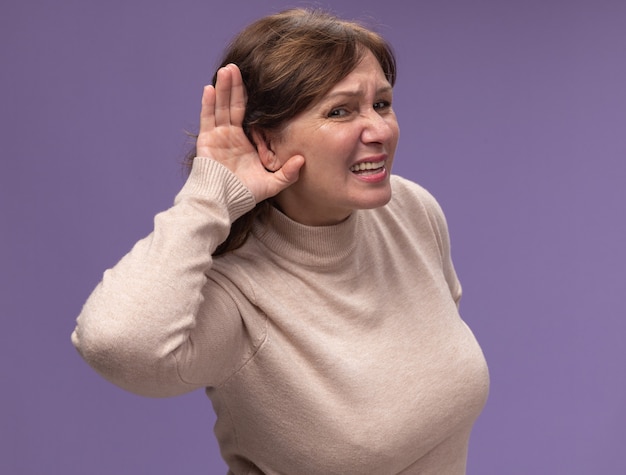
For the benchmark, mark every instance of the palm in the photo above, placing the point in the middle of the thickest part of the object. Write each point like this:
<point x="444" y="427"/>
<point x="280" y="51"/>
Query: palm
<point x="222" y="137"/>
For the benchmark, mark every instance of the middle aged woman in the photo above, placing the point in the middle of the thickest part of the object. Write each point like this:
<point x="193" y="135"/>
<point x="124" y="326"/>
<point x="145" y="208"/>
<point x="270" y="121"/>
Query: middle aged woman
<point x="310" y="291"/>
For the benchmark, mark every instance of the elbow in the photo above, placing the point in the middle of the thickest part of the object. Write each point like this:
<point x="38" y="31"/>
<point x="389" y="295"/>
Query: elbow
<point x="126" y="360"/>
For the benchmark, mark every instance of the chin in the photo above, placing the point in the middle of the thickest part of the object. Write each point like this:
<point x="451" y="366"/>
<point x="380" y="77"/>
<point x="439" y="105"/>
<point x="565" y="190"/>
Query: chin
<point x="381" y="199"/>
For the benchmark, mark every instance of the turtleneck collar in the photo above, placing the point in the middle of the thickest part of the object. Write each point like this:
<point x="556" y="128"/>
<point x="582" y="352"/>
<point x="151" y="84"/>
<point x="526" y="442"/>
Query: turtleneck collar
<point x="313" y="246"/>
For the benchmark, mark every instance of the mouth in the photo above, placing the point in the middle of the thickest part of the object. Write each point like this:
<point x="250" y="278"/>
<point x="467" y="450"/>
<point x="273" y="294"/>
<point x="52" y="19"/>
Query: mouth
<point x="368" y="168"/>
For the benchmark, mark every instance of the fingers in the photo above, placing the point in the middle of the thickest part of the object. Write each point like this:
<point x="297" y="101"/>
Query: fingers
<point x="222" y="97"/>
<point x="223" y="105"/>
<point x="230" y="102"/>
<point x="237" y="96"/>
<point x="207" y="112"/>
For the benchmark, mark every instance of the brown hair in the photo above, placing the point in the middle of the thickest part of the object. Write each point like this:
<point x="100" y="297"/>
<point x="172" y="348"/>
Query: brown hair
<point x="288" y="62"/>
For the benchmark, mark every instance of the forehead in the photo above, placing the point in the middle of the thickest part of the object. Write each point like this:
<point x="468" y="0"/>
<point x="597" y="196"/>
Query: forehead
<point x="368" y="74"/>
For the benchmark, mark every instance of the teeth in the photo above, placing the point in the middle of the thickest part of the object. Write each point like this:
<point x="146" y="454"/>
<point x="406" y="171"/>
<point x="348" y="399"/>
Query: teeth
<point x="367" y="166"/>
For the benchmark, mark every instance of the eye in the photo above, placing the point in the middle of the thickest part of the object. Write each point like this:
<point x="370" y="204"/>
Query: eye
<point x="338" y="112"/>
<point x="382" y="105"/>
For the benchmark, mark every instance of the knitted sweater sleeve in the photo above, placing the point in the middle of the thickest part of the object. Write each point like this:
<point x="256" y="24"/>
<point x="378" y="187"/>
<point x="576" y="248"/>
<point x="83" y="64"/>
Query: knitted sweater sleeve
<point x="140" y="326"/>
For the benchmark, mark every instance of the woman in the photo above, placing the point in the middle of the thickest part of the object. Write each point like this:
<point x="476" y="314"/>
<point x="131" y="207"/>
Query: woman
<point x="309" y="291"/>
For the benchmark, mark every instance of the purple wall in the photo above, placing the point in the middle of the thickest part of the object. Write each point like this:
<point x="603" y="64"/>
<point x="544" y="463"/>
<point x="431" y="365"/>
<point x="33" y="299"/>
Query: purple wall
<point x="513" y="113"/>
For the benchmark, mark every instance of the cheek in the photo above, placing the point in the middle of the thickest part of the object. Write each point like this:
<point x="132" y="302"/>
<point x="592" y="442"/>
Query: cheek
<point x="395" y="127"/>
<point x="323" y="150"/>
<point x="393" y="142"/>
<point x="321" y="146"/>
<point x="296" y="141"/>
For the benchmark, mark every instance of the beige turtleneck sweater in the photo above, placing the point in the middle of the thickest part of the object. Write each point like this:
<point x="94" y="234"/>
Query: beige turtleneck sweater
<point x="325" y="350"/>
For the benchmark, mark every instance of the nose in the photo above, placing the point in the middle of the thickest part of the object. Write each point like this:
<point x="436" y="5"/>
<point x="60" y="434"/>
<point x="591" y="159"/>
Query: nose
<point x="378" y="128"/>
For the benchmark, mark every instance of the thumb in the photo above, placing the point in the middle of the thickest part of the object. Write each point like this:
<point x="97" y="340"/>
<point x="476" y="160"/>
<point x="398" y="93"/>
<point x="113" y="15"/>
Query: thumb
<point x="290" y="171"/>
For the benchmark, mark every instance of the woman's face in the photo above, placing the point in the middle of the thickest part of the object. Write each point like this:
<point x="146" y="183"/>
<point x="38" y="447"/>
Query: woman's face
<point x="348" y="140"/>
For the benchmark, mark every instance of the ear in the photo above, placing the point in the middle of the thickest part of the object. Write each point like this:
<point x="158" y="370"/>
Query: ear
<point x="264" y="149"/>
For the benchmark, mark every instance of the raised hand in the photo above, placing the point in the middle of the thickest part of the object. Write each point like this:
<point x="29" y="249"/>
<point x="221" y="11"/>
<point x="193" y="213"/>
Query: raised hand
<point x="222" y="138"/>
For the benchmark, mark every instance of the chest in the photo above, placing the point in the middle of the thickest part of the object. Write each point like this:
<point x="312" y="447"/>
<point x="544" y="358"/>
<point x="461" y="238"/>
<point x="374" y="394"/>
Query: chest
<point x="359" y="370"/>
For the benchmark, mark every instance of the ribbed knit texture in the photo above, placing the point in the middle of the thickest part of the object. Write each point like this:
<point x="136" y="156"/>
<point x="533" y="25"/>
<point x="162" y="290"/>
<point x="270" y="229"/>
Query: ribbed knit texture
<point x="325" y="350"/>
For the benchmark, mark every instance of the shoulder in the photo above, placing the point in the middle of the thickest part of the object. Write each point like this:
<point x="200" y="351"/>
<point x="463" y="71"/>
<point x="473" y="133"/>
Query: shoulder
<point x="407" y="194"/>
<point x="418" y="211"/>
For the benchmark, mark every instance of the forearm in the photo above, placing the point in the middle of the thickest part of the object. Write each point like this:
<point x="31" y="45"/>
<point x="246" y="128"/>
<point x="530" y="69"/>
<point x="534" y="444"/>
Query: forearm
<point x="145" y="308"/>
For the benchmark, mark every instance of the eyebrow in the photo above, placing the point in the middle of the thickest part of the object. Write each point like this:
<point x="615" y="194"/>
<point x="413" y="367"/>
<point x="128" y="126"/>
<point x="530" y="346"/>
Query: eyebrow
<point x="358" y="92"/>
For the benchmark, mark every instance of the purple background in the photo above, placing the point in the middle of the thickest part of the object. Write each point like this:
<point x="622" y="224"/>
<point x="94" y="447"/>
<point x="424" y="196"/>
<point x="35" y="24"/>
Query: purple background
<point x="513" y="113"/>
